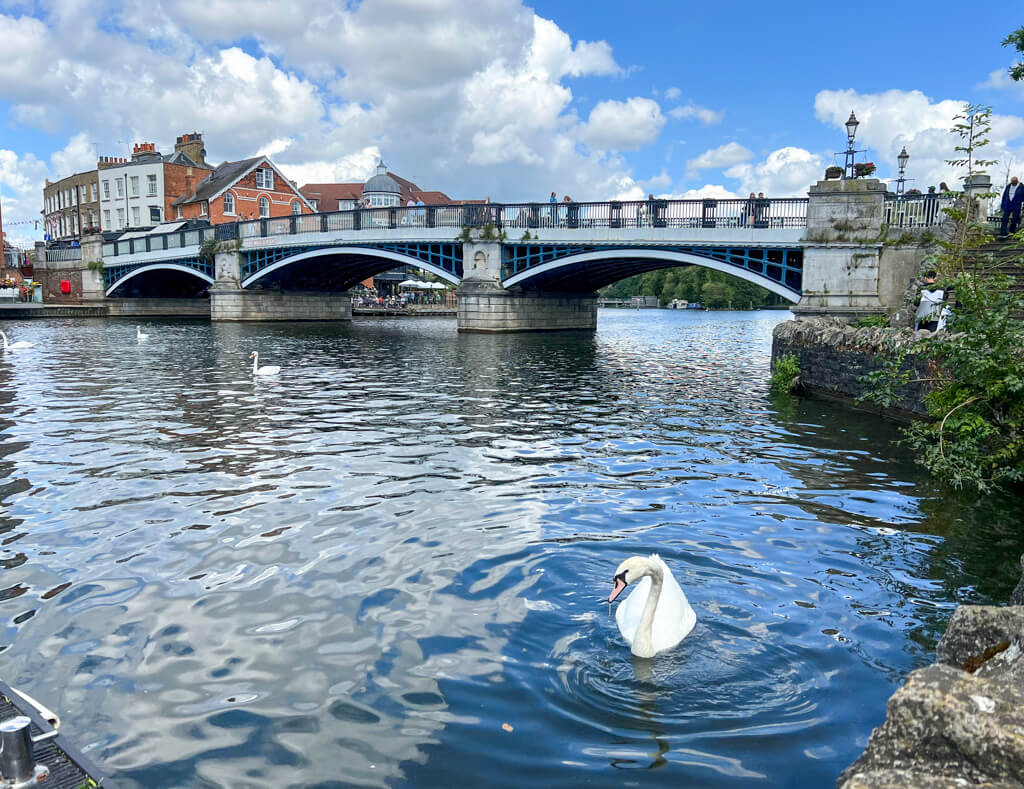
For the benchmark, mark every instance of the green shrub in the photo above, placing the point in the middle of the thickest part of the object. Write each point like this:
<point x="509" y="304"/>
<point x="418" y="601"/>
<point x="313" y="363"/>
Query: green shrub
<point x="785" y="374"/>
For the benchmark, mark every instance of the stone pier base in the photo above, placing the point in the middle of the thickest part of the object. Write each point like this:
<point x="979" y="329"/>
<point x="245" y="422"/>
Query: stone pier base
<point x="498" y="310"/>
<point x="272" y="305"/>
<point x="152" y="308"/>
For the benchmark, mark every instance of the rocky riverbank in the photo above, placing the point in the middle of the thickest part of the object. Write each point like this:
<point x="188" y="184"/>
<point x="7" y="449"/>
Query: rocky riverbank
<point x="834" y="355"/>
<point x="960" y="721"/>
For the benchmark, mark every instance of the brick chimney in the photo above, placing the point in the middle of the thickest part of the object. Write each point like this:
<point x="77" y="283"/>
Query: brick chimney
<point x="191" y="145"/>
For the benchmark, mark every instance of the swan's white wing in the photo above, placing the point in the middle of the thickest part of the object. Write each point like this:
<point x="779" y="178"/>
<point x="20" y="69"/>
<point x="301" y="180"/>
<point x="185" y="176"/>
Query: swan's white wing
<point x="628" y="614"/>
<point x="674" y="618"/>
<point x="268" y="370"/>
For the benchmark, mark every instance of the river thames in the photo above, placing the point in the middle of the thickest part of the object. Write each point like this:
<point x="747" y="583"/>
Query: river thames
<point x="388" y="565"/>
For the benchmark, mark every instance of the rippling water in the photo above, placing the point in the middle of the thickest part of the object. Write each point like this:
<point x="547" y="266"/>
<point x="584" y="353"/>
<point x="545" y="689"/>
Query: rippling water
<point x="386" y="566"/>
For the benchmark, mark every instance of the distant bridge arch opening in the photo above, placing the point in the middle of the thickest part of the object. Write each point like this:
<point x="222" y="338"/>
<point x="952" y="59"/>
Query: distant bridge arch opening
<point x="164" y="280"/>
<point x="592" y="270"/>
<point x="339" y="268"/>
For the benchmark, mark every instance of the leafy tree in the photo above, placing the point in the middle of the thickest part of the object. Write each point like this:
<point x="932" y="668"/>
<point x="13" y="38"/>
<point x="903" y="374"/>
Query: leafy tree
<point x="687" y="283"/>
<point x="1016" y="40"/>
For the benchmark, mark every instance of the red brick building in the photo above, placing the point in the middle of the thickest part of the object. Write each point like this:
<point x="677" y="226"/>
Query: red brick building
<point x="239" y="191"/>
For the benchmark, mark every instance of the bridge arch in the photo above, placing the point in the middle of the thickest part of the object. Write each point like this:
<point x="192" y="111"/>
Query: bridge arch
<point x="594" y="269"/>
<point x="151" y="269"/>
<point x="365" y="262"/>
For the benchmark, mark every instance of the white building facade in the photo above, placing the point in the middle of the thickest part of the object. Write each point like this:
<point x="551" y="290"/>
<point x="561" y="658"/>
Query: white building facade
<point x="132" y="192"/>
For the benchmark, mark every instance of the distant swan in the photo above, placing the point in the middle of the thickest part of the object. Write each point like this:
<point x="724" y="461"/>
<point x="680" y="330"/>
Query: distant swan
<point x="656" y="616"/>
<point x="269" y="369"/>
<point x="139" y="334"/>
<point x="16" y="346"/>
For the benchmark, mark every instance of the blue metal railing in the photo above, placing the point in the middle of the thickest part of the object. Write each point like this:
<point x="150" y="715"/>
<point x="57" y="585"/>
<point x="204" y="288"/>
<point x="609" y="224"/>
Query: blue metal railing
<point x="762" y="213"/>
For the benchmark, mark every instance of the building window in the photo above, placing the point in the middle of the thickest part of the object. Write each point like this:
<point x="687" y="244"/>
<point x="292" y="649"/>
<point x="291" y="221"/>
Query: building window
<point x="92" y="193"/>
<point x="135" y="186"/>
<point x="106" y="190"/>
<point x="178" y="213"/>
<point x="229" y="203"/>
<point x="106" y="218"/>
<point x="136" y="216"/>
<point x="296" y="207"/>
<point x="151" y="186"/>
<point x="264" y="207"/>
<point x="154" y="214"/>
<point x="120" y="218"/>
<point x="315" y="204"/>
<point x="204" y="208"/>
<point x="264" y="178"/>
<point x="119" y="183"/>
<point x="346" y="205"/>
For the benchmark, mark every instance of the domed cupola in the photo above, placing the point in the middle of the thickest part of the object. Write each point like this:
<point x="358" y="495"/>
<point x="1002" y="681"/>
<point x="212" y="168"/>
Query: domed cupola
<point x="382" y="189"/>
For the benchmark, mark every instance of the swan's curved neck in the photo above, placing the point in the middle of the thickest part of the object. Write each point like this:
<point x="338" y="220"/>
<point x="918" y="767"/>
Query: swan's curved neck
<point x="255" y="361"/>
<point x="643" y="641"/>
<point x="5" y="338"/>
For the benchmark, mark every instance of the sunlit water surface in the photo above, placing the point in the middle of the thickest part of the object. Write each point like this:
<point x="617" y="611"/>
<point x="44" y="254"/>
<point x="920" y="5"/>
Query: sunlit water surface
<point x="387" y="566"/>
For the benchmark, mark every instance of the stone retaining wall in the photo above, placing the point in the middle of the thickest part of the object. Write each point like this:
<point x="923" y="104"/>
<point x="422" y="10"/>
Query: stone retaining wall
<point x="151" y="308"/>
<point x="504" y="311"/>
<point x="834" y="355"/>
<point x="272" y="305"/>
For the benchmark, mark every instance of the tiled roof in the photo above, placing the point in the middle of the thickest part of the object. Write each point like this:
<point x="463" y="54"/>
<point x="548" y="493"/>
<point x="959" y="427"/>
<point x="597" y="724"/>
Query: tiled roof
<point x="221" y="178"/>
<point x="328" y="195"/>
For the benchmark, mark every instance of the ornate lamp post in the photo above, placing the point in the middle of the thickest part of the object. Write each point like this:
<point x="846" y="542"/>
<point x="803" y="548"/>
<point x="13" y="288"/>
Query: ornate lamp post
<point x="850" y="152"/>
<point x="902" y="160"/>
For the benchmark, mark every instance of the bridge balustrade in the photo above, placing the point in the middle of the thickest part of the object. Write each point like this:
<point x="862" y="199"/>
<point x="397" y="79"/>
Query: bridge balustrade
<point x="784" y="213"/>
<point x="912" y="211"/>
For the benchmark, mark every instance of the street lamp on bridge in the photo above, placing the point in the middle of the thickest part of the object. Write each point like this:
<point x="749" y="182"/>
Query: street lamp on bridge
<point x="851" y="152"/>
<point x="902" y="160"/>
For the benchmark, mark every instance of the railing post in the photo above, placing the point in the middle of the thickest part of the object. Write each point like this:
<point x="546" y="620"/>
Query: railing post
<point x="431" y="218"/>
<point x="499" y="216"/>
<point x="323" y="223"/>
<point x="572" y="215"/>
<point x="707" y="218"/>
<point x="263" y="228"/>
<point x="357" y="221"/>
<point x="291" y="225"/>
<point x="614" y="214"/>
<point x="533" y="217"/>
<point x="391" y="218"/>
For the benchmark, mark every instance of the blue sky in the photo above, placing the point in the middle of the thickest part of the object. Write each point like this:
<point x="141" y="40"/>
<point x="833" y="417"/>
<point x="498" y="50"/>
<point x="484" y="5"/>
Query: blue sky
<point x="493" y="97"/>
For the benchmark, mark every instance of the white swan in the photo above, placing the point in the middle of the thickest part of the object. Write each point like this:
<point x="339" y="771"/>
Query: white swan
<point x="139" y="334"/>
<point x="16" y="346"/>
<point x="269" y="369"/>
<point x="656" y="616"/>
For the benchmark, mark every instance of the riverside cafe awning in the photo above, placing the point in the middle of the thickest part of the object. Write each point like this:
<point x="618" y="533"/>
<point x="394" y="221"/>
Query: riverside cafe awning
<point x="415" y="284"/>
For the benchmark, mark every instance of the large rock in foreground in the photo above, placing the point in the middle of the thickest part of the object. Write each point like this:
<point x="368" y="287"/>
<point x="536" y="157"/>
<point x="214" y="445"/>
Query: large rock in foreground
<point x="958" y="723"/>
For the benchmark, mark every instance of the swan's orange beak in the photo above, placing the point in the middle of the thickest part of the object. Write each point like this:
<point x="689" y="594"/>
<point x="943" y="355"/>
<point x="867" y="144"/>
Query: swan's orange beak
<point x="620" y="584"/>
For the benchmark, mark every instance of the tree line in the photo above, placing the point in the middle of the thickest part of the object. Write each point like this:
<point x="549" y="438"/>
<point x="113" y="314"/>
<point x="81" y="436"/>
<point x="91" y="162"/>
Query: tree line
<point x="711" y="288"/>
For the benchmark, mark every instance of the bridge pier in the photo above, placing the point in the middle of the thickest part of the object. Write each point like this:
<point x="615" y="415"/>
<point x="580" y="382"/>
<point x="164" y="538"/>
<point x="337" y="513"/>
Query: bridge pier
<point x="230" y="302"/>
<point x="843" y="250"/>
<point x="486" y="306"/>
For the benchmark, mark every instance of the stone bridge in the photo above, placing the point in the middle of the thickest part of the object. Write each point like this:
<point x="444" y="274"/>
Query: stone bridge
<point x="534" y="266"/>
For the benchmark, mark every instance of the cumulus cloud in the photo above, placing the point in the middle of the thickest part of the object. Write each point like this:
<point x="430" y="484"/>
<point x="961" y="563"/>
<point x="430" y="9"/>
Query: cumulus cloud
<point x="703" y="114"/>
<point x="723" y="156"/>
<point x="786" y="172"/>
<point x="896" y="118"/>
<point x="623" y="125"/>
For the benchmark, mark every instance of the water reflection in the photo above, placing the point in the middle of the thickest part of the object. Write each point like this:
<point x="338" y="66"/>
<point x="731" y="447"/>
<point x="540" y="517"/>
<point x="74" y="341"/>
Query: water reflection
<point x="391" y="557"/>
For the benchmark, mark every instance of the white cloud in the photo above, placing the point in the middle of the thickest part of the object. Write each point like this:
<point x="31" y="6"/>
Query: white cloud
<point x="673" y="93"/>
<point x="896" y="118"/>
<point x="21" y="188"/>
<point x="786" y="172"/>
<point x="703" y="114"/>
<point x="1000" y="80"/>
<point x="714" y="191"/>
<point x="723" y="156"/>
<point x="623" y="125"/>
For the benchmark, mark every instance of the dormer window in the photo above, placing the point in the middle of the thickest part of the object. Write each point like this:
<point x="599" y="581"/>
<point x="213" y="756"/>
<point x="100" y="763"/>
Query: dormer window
<point x="229" y="203"/>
